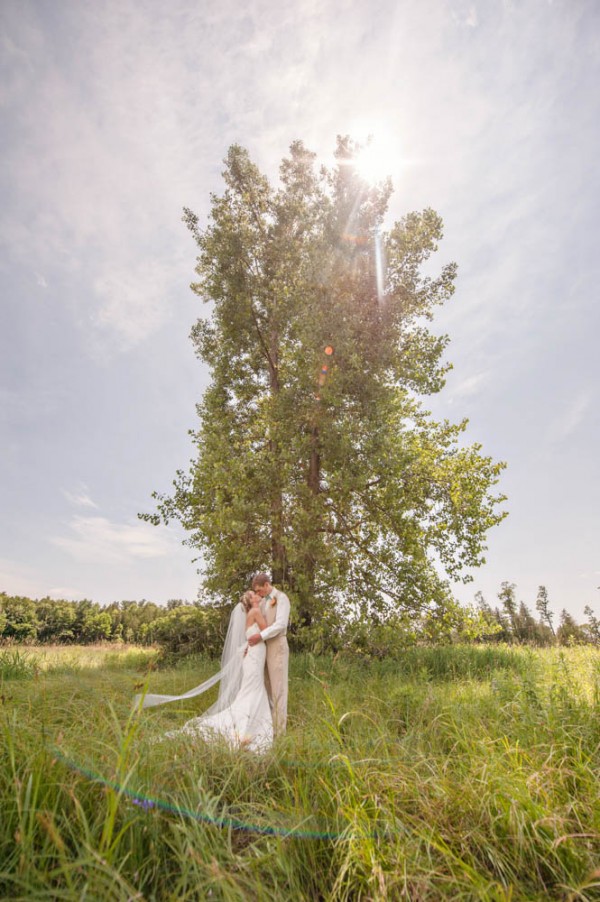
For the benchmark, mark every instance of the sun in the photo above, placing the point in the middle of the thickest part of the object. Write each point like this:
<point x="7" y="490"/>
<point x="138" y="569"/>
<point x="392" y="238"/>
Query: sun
<point x="377" y="160"/>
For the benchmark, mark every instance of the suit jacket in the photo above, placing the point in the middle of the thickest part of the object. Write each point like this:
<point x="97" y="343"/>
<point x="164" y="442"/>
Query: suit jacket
<point x="277" y="615"/>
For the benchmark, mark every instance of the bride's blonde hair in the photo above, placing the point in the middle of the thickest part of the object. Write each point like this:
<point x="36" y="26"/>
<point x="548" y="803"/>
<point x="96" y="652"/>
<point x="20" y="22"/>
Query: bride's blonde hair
<point x="246" y="600"/>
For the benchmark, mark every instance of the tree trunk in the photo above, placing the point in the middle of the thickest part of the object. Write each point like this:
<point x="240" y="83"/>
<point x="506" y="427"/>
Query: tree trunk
<point x="314" y="485"/>
<point x="278" y="555"/>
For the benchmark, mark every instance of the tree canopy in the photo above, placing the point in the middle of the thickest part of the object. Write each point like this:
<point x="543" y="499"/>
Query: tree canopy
<point x="315" y="458"/>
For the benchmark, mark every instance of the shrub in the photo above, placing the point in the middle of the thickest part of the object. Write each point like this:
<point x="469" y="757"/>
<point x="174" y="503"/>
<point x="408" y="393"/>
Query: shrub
<point x="190" y="629"/>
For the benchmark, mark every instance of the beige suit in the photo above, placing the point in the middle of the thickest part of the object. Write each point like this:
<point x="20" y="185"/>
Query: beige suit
<point x="277" y="660"/>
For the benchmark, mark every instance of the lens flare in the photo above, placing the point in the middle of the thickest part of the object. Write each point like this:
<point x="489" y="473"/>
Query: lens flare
<point x="148" y="803"/>
<point x="379" y="266"/>
<point x="324" y="371"/>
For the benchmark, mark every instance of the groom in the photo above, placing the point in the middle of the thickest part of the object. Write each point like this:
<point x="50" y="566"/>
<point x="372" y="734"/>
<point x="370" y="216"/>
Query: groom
<point x="276" y="608"/>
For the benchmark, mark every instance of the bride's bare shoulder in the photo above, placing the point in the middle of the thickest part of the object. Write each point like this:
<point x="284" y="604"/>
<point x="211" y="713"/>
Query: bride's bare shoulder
<point x="256" y="616"/>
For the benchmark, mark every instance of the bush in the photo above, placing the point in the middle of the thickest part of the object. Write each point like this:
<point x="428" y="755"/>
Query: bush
<point x="189" y="629"/>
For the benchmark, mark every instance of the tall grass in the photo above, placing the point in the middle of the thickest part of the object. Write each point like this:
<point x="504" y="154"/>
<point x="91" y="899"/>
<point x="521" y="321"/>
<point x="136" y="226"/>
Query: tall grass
<point x="68" y="658"/>
<point x="16" y="664"/>
<point x="456" y="773"/>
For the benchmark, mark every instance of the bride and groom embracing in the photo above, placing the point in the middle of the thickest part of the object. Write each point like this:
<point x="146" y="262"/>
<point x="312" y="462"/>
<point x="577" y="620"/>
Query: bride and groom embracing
<point x="252" y="705"/>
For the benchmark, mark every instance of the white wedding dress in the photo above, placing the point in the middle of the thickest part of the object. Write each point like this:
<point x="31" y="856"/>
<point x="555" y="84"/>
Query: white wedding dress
<point x="247" y="720"/>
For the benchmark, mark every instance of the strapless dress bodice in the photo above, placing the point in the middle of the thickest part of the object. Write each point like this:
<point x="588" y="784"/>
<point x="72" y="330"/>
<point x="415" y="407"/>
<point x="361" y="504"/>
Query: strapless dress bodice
<point x="252" y="630"/>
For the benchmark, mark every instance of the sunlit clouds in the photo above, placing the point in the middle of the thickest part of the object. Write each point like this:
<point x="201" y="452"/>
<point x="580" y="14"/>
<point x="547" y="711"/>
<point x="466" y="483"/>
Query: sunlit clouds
<point x="99" y="541"/>
<point x="570" y="417"/>
<point x="80" y="497"/>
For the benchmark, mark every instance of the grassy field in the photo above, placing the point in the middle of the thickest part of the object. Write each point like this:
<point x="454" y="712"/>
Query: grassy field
<point x="451" y="773"/>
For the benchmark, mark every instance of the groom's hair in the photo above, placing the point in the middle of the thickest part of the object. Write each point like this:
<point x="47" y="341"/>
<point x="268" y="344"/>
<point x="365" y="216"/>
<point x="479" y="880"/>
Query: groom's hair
<point x="260" y="579"/>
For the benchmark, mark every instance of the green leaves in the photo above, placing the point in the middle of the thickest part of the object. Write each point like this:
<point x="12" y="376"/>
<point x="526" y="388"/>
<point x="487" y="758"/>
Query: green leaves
<point x="336" y="480"/>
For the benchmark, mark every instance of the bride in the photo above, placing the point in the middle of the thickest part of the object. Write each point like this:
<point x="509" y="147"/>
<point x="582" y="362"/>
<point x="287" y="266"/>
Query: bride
<point x="242" y="714"/>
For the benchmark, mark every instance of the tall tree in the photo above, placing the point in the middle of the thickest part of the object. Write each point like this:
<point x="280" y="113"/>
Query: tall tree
<point x="19" y="618"/>
<point x="569" y="632"/>
<point x="56" y="620"/>
<point x="508" y="600"/>
<point x="526" y="629"/>
<point x="542" y="604"/>
<point x="315" y="458"/>
<point x="592" y="627"/>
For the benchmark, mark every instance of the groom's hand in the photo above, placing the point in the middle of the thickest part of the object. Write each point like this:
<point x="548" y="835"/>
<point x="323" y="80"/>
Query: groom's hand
<point x="255" y="639"/>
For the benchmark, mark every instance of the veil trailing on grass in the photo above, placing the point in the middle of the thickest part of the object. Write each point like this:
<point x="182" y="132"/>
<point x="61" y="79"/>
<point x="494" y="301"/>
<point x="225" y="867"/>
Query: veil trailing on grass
<point x="230" y="674"/>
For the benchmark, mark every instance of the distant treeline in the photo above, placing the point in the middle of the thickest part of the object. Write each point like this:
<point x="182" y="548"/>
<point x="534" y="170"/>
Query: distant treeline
<point x="180" y="627"/>
<point x="47" y="620"/>
<point x="515" y="623"/>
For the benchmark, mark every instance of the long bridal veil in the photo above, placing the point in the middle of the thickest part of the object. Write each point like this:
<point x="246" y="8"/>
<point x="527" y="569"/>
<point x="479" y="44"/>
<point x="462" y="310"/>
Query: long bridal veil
<point x="230" y="674"/>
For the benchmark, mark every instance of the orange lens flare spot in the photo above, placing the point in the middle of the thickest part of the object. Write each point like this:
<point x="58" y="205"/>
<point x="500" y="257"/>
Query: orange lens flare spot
<point x="358" y="240"/>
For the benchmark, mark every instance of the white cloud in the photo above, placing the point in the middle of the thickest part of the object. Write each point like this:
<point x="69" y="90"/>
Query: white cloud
<point x="66" y="593"/>
<point x="472" y="19"/>
<point x="107" y="154"/>
<point x="566" y="424"/>
<point x="469" y="386"/>
<point x="80" y="497"/>
<point x="15" y="579"/>
<point x="98" y="540"/>
<point x="28" y="404"/>
<point x="134" y="300"/>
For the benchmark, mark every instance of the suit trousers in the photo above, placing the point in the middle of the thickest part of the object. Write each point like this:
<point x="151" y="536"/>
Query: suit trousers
<point x="276" y="680"/>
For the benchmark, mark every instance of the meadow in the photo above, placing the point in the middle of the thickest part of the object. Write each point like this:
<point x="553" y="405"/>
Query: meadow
<point x="445" y="773"/>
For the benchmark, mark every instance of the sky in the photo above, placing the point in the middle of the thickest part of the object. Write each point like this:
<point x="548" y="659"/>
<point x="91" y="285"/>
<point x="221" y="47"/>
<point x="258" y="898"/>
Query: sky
<point x="118" y="113"/>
